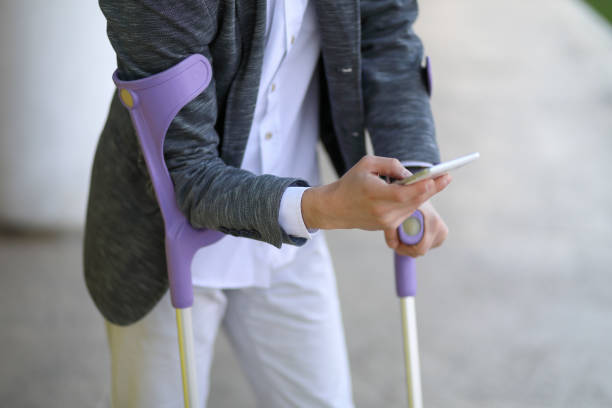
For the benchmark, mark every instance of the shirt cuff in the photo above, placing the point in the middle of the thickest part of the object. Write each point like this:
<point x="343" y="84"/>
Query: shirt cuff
<point x="290" y="213"/>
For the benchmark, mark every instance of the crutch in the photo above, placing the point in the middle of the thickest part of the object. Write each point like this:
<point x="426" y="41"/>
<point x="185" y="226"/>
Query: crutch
<point x="153" y="102"/>
<point x="410" y="233"/>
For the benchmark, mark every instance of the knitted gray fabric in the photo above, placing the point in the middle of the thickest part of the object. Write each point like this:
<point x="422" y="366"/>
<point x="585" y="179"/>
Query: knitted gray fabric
<point x="371" y="62"/>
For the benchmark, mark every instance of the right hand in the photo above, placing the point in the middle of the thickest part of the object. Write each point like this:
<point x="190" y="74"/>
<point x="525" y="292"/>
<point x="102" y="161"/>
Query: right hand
<point x="361" y="199"/>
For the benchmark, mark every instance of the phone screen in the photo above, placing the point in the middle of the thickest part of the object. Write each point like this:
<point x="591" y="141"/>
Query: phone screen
<point x="439" y="169"/>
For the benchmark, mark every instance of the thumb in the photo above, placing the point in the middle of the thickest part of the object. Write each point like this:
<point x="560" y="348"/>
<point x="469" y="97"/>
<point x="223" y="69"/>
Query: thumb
<point x="385" y="166"/>
<point x="391" y="238"/>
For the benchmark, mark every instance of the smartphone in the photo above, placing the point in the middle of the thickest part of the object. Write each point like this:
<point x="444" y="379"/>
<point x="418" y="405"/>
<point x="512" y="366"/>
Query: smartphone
<point x="439" y="169"/>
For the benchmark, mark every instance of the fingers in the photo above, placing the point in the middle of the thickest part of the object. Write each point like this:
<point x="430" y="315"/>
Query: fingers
<point x="417" y="250"/>
<point x="435" y="224"/>
<point x="422" y="191"/>
<point x="402" y="201"/>
<point x="442" y="182"/>
<point x="393" y="242"/>
<point x="411" y="196"/>
<point x="434" y="234"/>
<point x="363" y="200"/>
<point x="391" y="238"/>
<point x="414" y="251"/>
<point x="384" y="166"/>
<point x="409" y="250"/>
<point x="440" y="236"/>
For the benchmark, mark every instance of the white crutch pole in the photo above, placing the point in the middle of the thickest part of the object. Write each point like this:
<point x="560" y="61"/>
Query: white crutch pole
<point x="410" y="233"/>
<point x="187" y="354"/>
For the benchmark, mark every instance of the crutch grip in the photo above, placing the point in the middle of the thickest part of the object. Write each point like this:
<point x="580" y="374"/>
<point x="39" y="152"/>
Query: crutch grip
<point x="410" y="233"/>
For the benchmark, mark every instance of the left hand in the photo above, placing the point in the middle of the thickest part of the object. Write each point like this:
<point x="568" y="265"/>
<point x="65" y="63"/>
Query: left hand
<point x="434" y="234"/>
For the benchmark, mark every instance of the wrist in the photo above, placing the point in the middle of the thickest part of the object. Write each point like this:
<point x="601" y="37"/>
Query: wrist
<point x="316" y="207"/>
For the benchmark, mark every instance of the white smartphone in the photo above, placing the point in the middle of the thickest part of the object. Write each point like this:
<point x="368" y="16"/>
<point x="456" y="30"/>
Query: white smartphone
<point x="439" y="169"/>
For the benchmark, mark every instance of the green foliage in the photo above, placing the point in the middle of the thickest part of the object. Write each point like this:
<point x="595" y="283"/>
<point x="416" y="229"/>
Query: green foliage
<point x="604" y="7"/>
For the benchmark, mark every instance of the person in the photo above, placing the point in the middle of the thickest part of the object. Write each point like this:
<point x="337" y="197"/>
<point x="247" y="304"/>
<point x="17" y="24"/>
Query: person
<point x="242" y="157"/>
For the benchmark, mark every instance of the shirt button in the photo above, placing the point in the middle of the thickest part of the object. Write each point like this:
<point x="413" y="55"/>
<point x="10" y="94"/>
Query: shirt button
<point x="292" y="39"/>
<point x="268" y="135"/>
<point x="272" y="87"/>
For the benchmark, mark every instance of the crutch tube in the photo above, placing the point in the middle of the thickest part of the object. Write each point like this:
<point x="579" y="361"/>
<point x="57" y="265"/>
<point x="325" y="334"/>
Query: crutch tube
<point x="187" y="354"/>
<point x="410" y="233"/>
<point x="153" y="102"/>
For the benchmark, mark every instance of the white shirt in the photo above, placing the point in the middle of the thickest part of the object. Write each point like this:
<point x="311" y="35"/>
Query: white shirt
<point x="282" y="142"/>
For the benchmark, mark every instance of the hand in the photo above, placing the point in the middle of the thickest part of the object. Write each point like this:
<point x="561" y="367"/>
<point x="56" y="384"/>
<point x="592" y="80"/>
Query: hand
<point x="361" y="199"/>
<point x="434" y="234"/>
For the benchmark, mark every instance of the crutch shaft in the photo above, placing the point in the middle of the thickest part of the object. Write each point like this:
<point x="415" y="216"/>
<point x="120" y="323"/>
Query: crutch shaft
<point x="410" y="233"/>
<point x="187" y="355"/>
<point x="411" y="352"/>
<point x="153" y="102"/>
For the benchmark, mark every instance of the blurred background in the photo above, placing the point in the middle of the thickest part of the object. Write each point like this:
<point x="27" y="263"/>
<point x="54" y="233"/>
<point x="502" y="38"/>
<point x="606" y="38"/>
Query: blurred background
<point x="515" y="310"/>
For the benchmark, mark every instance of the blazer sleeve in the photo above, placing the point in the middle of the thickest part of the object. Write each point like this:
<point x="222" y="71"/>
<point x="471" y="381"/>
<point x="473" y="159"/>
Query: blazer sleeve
<point x="396" y="102"/>
<point x="150" y="36"/>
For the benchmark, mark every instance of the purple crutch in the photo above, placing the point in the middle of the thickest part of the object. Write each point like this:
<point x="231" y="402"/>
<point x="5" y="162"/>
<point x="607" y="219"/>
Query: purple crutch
<point x="410" y="233"/>
<point x="153" y="102"/>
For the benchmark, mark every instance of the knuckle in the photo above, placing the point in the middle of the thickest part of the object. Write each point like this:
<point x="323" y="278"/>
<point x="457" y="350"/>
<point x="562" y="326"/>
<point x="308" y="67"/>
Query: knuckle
<point x="420" y="248"/>
<point x="422" y="188"/>
<point x="388" y="223"/>
<point x="430" y="186"/>
<point x="426" y="192"/>
<point x="367" y="159"/>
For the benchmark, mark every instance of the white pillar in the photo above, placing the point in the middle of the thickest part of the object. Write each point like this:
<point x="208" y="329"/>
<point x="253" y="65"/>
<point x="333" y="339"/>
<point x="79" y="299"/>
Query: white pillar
<point x="55" y="87"/>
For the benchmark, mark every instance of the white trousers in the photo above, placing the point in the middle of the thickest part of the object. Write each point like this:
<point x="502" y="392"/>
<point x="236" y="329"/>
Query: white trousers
<point x="288" y="338"/>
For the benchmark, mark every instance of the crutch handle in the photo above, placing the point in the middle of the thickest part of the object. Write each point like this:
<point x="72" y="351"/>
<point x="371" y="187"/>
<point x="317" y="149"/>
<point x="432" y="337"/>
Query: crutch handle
<point x="410" y="233"/>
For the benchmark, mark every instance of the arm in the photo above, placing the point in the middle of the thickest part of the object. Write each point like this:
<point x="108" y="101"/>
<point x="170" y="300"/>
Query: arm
<point x="150" y="36"/>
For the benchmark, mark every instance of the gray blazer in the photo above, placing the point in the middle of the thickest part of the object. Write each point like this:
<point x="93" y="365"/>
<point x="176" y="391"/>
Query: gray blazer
<point x="372" y="79"/>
